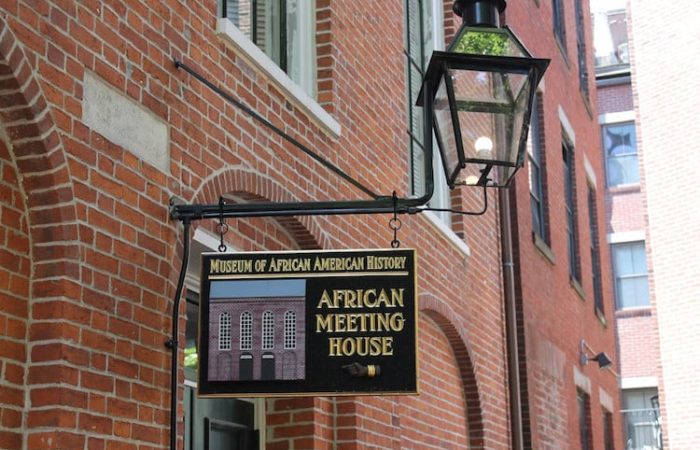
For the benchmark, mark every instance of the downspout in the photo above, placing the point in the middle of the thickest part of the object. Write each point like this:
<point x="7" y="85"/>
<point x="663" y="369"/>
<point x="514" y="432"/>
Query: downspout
<point x="172" y="343"/>
<point x="515" y="402"/>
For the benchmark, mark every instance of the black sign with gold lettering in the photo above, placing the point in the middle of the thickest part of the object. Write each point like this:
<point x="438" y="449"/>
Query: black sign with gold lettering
<point x="308" y="323"/>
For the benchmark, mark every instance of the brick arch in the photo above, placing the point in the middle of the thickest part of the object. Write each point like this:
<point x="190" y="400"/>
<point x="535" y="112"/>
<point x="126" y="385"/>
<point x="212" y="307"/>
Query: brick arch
<point x="37" y="240"/>
<point x="305" y="230"/>
<point x="38" y="154"/>
<point x="441" y="314"/>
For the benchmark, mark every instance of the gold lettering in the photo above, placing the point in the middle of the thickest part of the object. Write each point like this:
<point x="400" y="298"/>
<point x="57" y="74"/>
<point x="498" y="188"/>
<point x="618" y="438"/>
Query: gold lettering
<point x="352" y="323"/>
<point x="346" y="264"/>
<point x="340" y="322"/>
<point x="386" y="262"/>
<point x="370" y="303"/>
<point x="323" y="323"/>
<point x="334" y="346"/>
<point x="387" y="346"/>
<point x="397" y="297"/>
<point x="290" y="265"/>
<point x="365" y="298"/>
<point x="326" y="300"/>
<point x="361" y="346"/>
<point x="396" y="322"/>
<point x="364" y="322"/>
<point x="230" y="266"/>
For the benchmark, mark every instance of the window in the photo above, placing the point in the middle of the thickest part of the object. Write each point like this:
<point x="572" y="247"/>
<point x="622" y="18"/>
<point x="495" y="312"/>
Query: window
<point x="641" y="423"/>
<point x="290" y="330"/>
<point x="631" y="278"/>
<point x="268" y="330"/>
<point x="608" y="438"/>
<point x="246" y="341"/>
<point x="423" y="35"/>
<point x="571" y="222"/>
<point x="584" y="420"/>
<point x="559" y="22"/>
<point x="581" y="49"/>
<point x="214" y="423"/>
<point x="610" y="35"/>
<point x="620" y="145"/>
<point x="220" y="423"/>
<point x="284" y="30"/>
<point x="224" y="331"/>
<point x="537" y="175"/>
<point x="595" y="251"/>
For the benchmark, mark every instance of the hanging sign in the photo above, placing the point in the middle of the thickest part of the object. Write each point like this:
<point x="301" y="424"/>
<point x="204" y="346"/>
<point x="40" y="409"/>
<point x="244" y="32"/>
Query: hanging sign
<point x="308" y="323"/>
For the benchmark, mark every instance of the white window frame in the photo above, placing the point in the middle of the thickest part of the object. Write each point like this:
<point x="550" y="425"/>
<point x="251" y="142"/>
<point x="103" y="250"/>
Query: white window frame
<point x="290" y="330"/>
<point x="225" y="331"/>
<point x="629" y="237"/>
<point x="246" y="333"/>
<point x="616" y="118"/>
<point x="441" y="195"/>
<point x="268" y="330"/>
<point x="301" y="95"/>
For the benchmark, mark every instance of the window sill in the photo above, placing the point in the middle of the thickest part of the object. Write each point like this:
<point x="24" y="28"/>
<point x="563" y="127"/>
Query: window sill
<point x="231" y="35"/>
<point x="562" y="49"/>
<point x="638" y="311"/>
<point x="587" y="102"/>
<point x="578" y="288"/>
<point x="601" y="317"/>
<point x="625" y="188"/>
<point x="447" y="233"/>
<point x="544" y="248"/>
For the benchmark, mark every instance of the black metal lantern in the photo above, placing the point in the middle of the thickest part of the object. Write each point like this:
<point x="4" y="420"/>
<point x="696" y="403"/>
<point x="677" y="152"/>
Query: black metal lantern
<point x="482" y="89"/>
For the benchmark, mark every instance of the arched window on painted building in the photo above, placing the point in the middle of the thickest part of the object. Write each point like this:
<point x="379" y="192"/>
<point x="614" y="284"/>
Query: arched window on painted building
<point x="245" y="344"/>
<point x="267" y="364"/>
<point x="225" y="331"/>
<point x="290" y="330"/>
<point x="268" y="330"/>
<point x="246" y="338"/>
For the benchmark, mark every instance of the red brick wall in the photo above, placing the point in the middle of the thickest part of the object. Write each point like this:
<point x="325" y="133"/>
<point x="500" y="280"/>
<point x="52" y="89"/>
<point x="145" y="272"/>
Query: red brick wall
<point x="615" y="98"/>
<point x="14" y="306"/>
<point x="639" y="346"/>
<point x="105" y="257"/>
<point x="554" y="315"/>
<point x="625" y="209"/>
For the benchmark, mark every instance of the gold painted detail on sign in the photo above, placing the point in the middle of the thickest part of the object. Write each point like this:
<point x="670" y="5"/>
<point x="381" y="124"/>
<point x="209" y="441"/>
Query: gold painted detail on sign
<point x="307" y="264"/>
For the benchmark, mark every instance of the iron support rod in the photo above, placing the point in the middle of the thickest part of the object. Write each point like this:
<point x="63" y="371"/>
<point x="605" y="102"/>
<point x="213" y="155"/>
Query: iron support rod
<point x="327" y="164"/>
<point x="379" y="205"/>
<point x="213" y="211"/>
<point x="172" y="343"/>
<point x="188" y="213"/>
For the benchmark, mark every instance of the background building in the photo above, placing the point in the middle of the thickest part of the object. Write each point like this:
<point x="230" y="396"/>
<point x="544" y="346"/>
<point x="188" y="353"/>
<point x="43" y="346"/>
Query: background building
<point x="643" y="86"/>
<point x="564" y="302"/>
<point x="100" y="129"/>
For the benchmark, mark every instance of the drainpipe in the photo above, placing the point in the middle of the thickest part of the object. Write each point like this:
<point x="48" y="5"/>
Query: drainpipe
<point x="516" y="418"/>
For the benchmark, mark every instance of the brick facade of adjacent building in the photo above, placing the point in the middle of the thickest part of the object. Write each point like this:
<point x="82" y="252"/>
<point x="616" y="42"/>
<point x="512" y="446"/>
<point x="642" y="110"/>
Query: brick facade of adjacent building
<point x="663" y="86"/>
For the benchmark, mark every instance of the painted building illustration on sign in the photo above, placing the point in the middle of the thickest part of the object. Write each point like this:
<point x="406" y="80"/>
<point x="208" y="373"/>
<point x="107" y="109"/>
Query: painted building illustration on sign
<point x="257" y="330"/>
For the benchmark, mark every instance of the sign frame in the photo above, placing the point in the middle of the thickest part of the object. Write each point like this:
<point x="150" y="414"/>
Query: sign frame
<point x="308" y="323"/>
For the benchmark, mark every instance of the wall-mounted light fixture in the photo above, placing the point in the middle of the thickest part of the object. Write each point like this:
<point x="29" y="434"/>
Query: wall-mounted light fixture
<point x="601" y="358"/>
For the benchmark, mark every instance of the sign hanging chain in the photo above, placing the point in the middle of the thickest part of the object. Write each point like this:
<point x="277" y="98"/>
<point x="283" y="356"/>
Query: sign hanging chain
<point x="395" y="222"/>
<point x="222" y="227"/>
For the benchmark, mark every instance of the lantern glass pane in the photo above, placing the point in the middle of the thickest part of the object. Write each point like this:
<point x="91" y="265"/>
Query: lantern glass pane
<point x="445" y="130"/>
<point x="488" y="41"/>
<point x="491" y="107"/>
